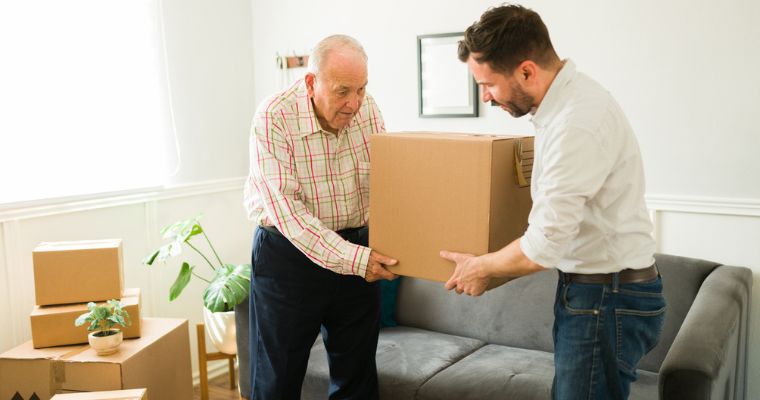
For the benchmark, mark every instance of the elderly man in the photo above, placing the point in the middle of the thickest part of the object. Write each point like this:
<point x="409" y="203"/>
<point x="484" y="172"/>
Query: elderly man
<point x="308" y="191"/>
<point x="589" y="219"/>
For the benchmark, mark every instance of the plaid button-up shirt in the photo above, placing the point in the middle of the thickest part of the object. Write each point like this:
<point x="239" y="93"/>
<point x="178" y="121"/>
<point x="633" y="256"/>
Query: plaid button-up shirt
<point x="308" y="182"/>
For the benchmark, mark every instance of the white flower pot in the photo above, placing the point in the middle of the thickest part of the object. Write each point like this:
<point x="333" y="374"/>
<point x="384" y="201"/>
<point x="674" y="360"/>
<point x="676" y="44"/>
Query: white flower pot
<point x="221" y="329"/>
<point x="105" y="345"/>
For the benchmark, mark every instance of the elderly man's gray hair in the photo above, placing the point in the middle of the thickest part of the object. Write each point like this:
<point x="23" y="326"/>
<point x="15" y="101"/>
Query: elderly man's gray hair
<point x="335" y="42"/>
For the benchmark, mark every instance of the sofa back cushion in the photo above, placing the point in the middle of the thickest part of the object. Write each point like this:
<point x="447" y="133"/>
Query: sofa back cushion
<point x="521" y="314"/>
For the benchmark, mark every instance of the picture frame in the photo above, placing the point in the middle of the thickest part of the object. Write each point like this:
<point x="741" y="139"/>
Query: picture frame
<point x="446" y="86"/>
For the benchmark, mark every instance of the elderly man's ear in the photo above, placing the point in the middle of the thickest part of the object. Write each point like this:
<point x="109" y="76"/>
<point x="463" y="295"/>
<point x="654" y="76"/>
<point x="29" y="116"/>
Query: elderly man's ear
<point x="310" y="78"/>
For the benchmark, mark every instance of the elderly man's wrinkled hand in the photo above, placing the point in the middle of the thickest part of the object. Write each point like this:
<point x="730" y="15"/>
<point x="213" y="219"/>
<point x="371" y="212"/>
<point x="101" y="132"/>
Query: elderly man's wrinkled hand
<point x="376" y="267"/>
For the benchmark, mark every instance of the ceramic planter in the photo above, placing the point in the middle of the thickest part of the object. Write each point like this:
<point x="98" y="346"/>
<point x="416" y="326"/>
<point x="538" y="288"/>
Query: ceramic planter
<point x="105" y="345"/>
<point x="220" y="327"/>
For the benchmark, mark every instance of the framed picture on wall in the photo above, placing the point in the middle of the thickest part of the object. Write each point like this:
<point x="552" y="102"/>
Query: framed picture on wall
<point x="446" y="86"/>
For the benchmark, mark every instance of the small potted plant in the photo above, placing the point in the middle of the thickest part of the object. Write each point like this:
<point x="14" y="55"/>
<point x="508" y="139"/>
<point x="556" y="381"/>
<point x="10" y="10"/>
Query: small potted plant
<point x="228" y="287"/>
<point x="103" y="336"/>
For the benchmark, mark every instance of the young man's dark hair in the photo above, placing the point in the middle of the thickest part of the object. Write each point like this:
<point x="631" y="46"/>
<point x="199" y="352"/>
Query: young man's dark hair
<point x="507" y="35"/>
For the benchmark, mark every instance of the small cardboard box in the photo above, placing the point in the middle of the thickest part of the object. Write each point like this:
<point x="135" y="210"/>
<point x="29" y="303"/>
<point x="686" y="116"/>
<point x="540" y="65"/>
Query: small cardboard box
<point x="445" y="191"/>
<point x="158" y="361"/>
<point x="77" y="272"/>
<point x="134" y="394"/>
<point x="54" y="325"/>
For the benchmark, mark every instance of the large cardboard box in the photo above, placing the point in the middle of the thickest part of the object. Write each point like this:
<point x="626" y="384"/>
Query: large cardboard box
<point x="445" y="191"/>
<point x="158" y="361"/>
<point x="54" y="325"/>
<point x="133" y="394"/>
<point x="77" y="272"/>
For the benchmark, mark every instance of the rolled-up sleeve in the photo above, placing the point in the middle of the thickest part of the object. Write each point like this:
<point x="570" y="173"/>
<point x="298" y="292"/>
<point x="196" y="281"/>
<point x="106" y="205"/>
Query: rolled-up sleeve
<point x="574" y="167"/>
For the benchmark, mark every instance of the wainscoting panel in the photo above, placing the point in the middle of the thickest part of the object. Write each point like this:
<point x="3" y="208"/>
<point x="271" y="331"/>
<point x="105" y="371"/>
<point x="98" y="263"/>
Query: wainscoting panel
<point x="137" y="219"/>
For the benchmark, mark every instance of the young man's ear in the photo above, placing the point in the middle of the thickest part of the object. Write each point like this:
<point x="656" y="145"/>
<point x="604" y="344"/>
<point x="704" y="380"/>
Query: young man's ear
<point x="309" y="79"/>
<point x="526" y="71"/>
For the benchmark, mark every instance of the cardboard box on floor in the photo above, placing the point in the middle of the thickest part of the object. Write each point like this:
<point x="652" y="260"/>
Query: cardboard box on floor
<point x="133" y="394"/>
<point x="158" y="361"/>
<point x="446" y="191"/>
<point x="77" y="272"/>
<point x="54" y="325"/>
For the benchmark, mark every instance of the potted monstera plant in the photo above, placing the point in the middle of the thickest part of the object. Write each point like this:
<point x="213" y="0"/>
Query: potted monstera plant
<point x="227" y="286"/>
<point x="104" y="338"/>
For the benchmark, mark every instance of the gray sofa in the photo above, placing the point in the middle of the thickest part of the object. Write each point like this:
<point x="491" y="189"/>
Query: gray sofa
<point x="499" y="345"/>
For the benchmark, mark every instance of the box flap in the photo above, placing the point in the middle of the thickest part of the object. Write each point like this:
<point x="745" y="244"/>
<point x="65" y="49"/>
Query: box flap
<point x="78" y="245"/>
<point x="462" y="136"/>
<point x="129" y="394"/>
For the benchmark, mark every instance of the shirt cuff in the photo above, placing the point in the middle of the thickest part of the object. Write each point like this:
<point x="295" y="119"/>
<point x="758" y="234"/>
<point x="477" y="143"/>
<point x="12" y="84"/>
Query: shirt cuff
<point x="539" y="249"/>
<point x="357" y="260"/>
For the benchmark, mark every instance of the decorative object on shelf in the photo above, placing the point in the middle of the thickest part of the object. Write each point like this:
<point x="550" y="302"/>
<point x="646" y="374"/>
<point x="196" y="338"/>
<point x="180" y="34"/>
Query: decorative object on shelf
<point x="103" y="337"/>
<point x="228" y="287"/>
<point x="446" y="86"/>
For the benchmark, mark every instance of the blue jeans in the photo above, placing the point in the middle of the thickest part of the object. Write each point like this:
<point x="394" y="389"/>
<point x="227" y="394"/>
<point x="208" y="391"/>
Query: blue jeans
<point x="600" y="333"/>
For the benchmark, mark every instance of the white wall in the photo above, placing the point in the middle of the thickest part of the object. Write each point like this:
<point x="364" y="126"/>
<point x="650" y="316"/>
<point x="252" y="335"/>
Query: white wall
<point x="685" y="72"/>
<point x="210" y="64"/>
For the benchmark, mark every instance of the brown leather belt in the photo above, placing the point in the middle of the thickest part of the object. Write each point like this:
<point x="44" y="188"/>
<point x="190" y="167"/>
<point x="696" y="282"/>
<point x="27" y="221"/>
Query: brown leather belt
<point x="624" y="276"/>
<point x="344" y="233"/>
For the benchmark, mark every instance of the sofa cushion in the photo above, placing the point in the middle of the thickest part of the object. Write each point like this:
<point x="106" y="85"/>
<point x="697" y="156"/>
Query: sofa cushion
<point x="501" y="372"/>
<point x="518" y="314"/>
<point x="406" y="358"/>
<point x="494" y="372"/>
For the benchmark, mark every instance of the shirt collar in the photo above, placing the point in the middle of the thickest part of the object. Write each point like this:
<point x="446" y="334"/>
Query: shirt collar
<point x="308" y="123"/>
<point x="551" y="101"/>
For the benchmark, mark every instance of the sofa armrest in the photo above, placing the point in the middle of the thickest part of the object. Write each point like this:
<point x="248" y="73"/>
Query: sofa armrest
<point x="707" y="359"/>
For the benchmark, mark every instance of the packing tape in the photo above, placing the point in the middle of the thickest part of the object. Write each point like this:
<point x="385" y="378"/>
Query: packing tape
<point x="58" y="369"/>
<point x="523" y="162"/>
<point x="57" y="375"/>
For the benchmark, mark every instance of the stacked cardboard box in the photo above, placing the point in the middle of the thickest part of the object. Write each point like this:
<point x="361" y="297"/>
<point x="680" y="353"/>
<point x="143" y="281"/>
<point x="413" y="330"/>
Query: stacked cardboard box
<point x="92" y="271"/>
<point x="446" y="191"/>
<point x="158" y="361"/>
<point x="54" y="325"/>
<point x="135" y="394"/>
<point x="67" y="276"/>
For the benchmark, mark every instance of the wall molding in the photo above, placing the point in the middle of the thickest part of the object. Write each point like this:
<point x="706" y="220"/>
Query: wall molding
<point x="85" y="203"/>
<point x="744" y="207"/>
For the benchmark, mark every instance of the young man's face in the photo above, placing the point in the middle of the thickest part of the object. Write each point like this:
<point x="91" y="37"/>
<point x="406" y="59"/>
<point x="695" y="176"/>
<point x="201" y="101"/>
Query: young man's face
<point x="501" y="88"/>
<point x="338" y="90"/>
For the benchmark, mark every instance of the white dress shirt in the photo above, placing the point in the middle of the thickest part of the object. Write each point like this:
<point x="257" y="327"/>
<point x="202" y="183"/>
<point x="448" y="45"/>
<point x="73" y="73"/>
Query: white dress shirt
<point x="589" y="213"/>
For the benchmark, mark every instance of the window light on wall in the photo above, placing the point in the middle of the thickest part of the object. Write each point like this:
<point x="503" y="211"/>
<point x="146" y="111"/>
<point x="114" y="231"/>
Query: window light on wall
<point x="84" y="103"/>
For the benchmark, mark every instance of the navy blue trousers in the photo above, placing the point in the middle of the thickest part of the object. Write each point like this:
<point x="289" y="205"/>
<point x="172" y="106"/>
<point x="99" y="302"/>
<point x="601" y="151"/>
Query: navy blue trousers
<point x="292" y="300"/>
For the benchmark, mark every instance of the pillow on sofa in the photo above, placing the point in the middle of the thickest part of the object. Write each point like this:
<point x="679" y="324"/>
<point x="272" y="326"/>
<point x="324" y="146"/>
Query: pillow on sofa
<point x="388" y="290"/>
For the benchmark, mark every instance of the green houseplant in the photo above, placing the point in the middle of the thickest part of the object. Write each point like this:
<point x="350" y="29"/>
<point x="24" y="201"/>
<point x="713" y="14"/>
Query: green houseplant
<point x="229" y="284"/>
<point x="103" y="336"/>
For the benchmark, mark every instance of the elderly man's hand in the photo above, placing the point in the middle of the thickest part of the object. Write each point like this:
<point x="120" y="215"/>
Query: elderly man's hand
<point x="376" y="269"/>
<point x="468" y="277"/>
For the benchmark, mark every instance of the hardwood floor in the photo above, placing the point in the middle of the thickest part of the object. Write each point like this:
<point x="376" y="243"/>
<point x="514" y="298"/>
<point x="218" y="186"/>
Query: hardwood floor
<point x="218" y="389"/>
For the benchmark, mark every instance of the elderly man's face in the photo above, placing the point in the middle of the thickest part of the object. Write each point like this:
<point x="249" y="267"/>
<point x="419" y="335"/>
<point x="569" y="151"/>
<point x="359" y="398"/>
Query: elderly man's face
<point x="338" y="89"/>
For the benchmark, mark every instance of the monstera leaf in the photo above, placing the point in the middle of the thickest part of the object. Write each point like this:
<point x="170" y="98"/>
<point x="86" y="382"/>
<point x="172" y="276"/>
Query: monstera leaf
<point x="229" y="287"/>
<point x="230" y="283"/>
